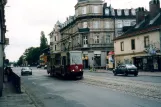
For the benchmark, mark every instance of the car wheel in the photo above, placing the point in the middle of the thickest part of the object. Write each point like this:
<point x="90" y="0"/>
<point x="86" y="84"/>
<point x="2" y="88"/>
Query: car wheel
<point x="31" y="73"/>
<point x="22" y="74"/>
<point x="136" y="74"/>
<point x="126" y="74"/>
<point x="115" y="74"/>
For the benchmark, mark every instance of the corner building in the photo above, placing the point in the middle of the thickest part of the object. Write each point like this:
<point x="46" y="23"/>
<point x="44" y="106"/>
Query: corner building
<point x="92" y="30"/>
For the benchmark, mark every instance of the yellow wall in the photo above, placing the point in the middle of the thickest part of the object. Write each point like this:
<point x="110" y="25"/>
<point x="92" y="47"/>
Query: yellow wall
<point x="128" y="53"/>
<point x="154" y="37"/>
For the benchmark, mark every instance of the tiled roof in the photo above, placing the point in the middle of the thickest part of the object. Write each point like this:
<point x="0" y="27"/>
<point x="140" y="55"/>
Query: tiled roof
<point x="145" y="26"/>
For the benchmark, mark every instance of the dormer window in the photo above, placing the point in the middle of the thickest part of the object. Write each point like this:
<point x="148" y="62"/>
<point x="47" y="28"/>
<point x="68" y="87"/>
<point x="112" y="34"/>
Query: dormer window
<point x="113" y="12"/>
<point x="126" y="12"/>
<point x="133" y="12"/>
<point x="107" y="11"/>
<point x="119" y="12"/>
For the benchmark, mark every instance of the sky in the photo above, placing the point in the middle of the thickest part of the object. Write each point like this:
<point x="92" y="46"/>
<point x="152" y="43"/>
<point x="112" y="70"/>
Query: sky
<point x="25" y="19"/>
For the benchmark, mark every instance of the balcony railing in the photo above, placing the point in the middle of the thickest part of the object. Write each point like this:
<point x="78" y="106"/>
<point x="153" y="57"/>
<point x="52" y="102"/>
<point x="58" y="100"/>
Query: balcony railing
<point x="83" y="30"/>
<point x="101" y="45"/>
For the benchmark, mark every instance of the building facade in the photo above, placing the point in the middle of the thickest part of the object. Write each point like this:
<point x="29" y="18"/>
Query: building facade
<point x="141" y="44"/>
<point x="2" y="41"/>
<point x="92" y="30"/>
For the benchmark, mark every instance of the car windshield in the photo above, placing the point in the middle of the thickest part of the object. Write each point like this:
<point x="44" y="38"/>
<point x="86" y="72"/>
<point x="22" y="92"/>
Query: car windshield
<point x="26" y="68"/>
<point x="130" y="66"/>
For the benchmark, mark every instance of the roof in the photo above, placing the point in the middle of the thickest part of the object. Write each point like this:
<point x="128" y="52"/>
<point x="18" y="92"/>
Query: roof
<point x="145" y="26"/>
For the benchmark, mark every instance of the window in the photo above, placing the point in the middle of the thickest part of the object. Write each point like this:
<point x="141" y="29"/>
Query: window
<point x="146" y="41"/>
<point x="113" y="12"/>
<point x="133" y="12"/>
<point x="126" y="12"/>
<point x="96" y="39"/>
<point x="107" y="24"/>
<point x="55" y="47"/>
<point x="108" y="40"/>
<point x="119" y="24"/>
<point x="85" y="40"/>
<point x="95" y="9"/>
<point x="133" y="44"/>
<point x="55" y="38"/>
<point x="122" y="46"/>
<point x="119" y="12"/>
<point x="95" y="24"/>
<point x="126" y="23"/>
<point x="84" y="10"/>
<point x="85" y="25"/>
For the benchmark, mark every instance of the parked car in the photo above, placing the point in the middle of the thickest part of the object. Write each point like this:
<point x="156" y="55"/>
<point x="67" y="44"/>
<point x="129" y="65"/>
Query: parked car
<point x="39" y="66"/>
<point x="126" y="69"/>
<point x="26" y="70"/>
<point x="45" y="67"/>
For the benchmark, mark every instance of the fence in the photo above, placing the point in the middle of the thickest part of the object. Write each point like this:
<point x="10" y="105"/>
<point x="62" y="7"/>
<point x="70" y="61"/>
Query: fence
<point x="16" y="82"/>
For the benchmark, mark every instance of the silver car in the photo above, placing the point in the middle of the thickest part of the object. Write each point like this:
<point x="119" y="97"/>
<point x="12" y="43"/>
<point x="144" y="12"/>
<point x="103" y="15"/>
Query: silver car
<point x="26" y="70"/>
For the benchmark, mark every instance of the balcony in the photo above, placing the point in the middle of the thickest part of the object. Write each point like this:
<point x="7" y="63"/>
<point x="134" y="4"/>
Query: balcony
<point x="101" y="29"/>
<point x="83" y="30"/>
<point x="101" y="45"/>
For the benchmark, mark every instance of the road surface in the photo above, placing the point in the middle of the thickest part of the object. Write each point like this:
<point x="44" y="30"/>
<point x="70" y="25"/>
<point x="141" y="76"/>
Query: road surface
<point x="49" y="91"/>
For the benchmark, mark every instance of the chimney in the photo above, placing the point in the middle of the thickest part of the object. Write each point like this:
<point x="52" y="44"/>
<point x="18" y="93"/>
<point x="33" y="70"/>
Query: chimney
<point x="140" y="15"/>
<point x="104" y="5"/>
<point x="154" y="7"/>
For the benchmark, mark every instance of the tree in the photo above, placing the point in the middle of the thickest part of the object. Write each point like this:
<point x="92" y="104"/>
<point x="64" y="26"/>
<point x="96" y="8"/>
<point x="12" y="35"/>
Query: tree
<point x="20" y="61"/>
<point x="43" y="41"/>
<point x="32" y="55"/>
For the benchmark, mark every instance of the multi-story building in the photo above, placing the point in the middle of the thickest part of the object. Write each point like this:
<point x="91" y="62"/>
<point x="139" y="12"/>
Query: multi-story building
<point x="55" y="37"/>
<point x="141" y="45"/>
<point x="92" y="30"/>
<point x="2" y="41"/>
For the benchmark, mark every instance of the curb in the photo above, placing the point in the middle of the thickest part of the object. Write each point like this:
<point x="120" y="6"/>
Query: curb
<point x="31" y="97"/>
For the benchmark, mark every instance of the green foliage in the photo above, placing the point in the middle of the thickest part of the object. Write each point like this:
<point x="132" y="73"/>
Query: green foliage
<point x="20" y="61"/>
<point x="43" y="41"/>
<point x="32" y="55"/>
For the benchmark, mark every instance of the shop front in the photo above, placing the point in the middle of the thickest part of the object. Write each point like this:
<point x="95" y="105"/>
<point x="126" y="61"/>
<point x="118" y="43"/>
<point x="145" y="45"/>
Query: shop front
<point x="148" y="63"/>
<point x="85" y="61"/>
<point x="111" y="60"/>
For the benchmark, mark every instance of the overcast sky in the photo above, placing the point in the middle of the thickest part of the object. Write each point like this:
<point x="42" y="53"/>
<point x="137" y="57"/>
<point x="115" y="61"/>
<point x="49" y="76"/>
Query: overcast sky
<point x="27" y="18"/>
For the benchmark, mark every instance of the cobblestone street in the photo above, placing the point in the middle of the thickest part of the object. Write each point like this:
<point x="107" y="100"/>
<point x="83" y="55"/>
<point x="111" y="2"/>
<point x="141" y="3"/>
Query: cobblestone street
<point x="138" y="88"/>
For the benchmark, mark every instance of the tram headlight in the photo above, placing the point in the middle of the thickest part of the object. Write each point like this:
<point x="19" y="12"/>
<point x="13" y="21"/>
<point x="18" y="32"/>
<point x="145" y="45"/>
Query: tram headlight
<point x="73" y="70"/>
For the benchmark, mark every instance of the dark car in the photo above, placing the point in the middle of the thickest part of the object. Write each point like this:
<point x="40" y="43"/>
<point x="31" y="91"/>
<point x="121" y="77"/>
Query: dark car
<point x="126" y="69"/>
<point x="26" y="70"/>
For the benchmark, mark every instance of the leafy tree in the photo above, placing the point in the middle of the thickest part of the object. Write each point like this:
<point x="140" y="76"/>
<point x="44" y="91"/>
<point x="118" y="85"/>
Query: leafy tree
<point x="32" y="55"/>
<point x="43" y="41"/>
<point x="20" y="61"/>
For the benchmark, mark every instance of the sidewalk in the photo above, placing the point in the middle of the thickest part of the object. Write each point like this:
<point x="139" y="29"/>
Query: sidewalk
<point x="143" y="73"/>
<point x="11" y="99"/>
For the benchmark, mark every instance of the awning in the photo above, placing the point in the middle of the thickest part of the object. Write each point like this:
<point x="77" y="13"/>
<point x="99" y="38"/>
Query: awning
<point x="111" y="53"/>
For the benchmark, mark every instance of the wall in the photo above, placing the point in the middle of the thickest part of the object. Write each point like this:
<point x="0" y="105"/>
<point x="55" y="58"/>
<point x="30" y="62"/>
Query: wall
<point x="103" y="58"/>
<point x="154" y="37"/>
